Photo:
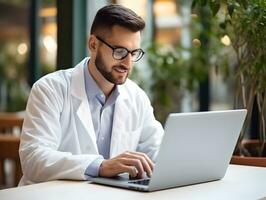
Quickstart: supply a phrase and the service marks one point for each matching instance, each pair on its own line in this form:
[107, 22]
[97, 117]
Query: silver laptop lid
[196, 147]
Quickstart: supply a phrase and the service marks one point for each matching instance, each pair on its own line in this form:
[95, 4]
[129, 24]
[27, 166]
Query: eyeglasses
[119, 53]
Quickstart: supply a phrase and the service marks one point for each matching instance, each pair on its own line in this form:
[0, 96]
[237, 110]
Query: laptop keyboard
[141, 182]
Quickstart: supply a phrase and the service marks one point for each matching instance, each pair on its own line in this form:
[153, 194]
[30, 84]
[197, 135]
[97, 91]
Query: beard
[112, 76]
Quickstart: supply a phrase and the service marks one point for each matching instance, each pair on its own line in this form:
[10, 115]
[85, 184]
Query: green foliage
[14, 89]
[173, 73]
[168, 72]
[215, 7]
[249, 30]
[245, 23]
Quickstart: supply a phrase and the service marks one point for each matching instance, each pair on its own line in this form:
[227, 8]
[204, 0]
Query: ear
[92, 43]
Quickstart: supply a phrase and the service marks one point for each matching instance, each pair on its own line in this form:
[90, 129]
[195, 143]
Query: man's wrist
[93, 169]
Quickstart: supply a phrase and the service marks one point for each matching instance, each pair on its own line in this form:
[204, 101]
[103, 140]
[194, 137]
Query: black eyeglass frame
[114, 48]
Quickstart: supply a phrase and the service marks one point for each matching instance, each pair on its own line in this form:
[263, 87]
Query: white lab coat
[58, 139]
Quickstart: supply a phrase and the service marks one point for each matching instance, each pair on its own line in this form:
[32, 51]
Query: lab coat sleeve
[41, 135]
[152, 131]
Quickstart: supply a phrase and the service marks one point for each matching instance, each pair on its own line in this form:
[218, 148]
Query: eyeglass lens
[121, 53]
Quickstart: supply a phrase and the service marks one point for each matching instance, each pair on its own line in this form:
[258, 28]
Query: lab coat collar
[123, 95]
[83, 109]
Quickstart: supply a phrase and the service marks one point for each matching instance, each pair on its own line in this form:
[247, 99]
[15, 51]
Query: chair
[10, 127]
[10, 121]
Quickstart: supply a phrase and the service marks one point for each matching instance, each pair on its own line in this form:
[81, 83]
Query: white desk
[240, 182]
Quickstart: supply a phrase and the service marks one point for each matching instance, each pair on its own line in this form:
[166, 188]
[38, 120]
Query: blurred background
[192, 61]
[30, 39]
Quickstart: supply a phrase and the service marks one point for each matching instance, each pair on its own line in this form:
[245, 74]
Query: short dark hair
[114, 14]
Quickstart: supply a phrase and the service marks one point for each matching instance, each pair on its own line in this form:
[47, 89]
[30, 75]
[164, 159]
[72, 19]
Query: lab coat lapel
[118, 140]
[83, 109]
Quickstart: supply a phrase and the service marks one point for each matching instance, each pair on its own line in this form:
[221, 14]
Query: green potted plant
[245, 24]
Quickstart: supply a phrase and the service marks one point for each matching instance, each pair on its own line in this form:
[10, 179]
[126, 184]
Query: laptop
[196, 148]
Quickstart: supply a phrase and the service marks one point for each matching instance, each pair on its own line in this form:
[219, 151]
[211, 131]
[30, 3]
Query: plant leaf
[215, 6]
[194, 3]
[203, 2]
[230, 8]
[222, 25]
[243, 3]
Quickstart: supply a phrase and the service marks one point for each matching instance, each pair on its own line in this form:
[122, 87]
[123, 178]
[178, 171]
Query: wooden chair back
[10, 127]
[9, 122]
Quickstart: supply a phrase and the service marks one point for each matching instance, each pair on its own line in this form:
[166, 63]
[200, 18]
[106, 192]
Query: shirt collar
[93, 90]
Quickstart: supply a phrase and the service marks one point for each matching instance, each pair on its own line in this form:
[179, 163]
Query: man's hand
[134, 163]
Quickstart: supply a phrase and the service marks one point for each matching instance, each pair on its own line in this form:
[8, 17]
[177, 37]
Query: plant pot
[252, 147]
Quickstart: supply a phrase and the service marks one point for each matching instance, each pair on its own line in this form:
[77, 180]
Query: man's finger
[146, 158]
[142, 159]
[136, 163]
[131, 170]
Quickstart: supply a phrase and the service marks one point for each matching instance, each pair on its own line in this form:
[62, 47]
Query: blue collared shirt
[102, 112]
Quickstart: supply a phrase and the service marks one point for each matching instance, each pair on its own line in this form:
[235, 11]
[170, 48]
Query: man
[91, 120]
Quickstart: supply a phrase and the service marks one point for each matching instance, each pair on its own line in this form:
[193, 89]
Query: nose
[127, 61]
